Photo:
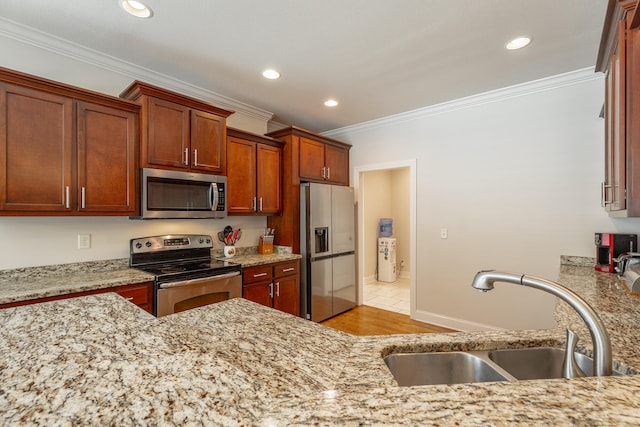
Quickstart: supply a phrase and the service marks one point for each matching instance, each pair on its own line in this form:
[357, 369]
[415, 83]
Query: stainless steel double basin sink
[458, 367]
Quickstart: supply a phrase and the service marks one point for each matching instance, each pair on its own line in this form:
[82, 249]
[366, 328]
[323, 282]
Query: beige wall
[385, 195]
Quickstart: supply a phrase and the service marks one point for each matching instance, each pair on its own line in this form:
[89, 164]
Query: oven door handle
[200, 280]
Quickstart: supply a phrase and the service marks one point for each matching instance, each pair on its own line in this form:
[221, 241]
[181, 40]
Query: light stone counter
[23, 284]
[100, 361]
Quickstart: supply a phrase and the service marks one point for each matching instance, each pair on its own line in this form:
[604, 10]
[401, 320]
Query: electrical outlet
[401, 263]
[444, 233]
[84, 241]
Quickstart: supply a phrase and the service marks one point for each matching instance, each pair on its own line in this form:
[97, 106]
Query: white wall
[516, 180]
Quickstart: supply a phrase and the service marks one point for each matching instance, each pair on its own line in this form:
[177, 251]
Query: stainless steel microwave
[174, 194]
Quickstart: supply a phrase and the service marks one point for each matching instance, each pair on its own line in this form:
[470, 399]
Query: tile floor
[388, 296]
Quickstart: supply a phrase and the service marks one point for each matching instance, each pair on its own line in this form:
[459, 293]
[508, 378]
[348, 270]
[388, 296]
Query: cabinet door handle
[259, 275]
[324, 172]
[286, 270]
[129, 299]
[186, 157]
[328, 173]
[271, 289]
[195, 157]
[260, 204]
[277, 289]
[66, 197]
[82, 197]
[254, 204]
[603, 191]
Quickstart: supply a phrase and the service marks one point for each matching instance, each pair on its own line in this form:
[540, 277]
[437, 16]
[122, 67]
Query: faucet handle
[570, 368]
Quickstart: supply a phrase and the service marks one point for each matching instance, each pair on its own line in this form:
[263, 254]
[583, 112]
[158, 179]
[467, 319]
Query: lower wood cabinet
[274, 285]
[140, 294]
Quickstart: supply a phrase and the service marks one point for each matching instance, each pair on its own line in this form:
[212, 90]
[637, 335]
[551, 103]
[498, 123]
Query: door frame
[357, 180]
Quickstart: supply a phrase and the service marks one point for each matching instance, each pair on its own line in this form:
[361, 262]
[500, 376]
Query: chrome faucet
[602, 365]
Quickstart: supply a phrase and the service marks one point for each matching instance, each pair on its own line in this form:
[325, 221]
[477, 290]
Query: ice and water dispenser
[322, 239]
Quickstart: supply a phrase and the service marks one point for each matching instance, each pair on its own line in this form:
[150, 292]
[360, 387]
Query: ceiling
[376, 57]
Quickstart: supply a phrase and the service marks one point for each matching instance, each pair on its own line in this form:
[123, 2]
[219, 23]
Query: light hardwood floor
[366, 320]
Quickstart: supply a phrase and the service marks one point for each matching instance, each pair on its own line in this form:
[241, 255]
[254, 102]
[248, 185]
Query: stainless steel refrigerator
[327, 245]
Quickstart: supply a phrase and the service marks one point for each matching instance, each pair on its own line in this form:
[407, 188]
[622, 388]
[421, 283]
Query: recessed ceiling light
[331, 103]
[518, 43]
[136, 8]
[271, 74]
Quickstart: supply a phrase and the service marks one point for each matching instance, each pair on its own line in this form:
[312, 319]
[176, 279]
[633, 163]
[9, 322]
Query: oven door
[175, 297]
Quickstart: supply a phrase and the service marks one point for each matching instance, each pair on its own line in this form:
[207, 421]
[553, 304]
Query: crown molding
[60, 46]
[535, 86]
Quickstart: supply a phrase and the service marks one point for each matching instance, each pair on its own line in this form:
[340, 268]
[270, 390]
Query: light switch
[444, 233]
[84, 241]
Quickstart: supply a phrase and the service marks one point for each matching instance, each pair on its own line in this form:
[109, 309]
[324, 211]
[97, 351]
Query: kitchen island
[99, 360]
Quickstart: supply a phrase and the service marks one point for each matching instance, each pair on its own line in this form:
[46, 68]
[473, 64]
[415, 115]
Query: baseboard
[370, 279]
[452, 322]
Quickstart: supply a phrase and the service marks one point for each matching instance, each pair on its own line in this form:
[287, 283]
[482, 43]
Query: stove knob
[201, 240]
[208, 240]
[138, 245]
[148, 244]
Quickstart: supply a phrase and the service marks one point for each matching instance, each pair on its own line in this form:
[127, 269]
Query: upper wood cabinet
[254, 165]
[619, 58]
[64, 150]
[178, 132]
[324, 162]
[305, 154]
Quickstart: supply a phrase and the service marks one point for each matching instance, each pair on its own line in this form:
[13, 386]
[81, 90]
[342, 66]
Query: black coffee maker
[610, 246]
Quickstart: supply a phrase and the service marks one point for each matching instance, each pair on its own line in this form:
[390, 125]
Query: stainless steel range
[185, 274]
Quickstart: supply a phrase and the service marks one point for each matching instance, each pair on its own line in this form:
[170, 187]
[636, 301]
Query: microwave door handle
[213, 196]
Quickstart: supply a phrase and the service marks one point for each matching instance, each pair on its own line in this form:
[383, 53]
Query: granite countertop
[24, 284]
[99, 360]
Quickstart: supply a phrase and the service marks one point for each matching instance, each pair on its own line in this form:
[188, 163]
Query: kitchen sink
[458, 367]
[441, 368]
[538, 362]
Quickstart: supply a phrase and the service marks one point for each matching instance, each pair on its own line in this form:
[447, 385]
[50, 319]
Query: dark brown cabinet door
[254, 174]
[36, 141]
[336, 161]
[241, 179]
[311, 159]
[269, 182]
[287, 295]
[208, 148]
[106, 141]
[258, 292]
[168, 135]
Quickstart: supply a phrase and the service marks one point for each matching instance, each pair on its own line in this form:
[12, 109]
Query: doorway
[387, 191]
